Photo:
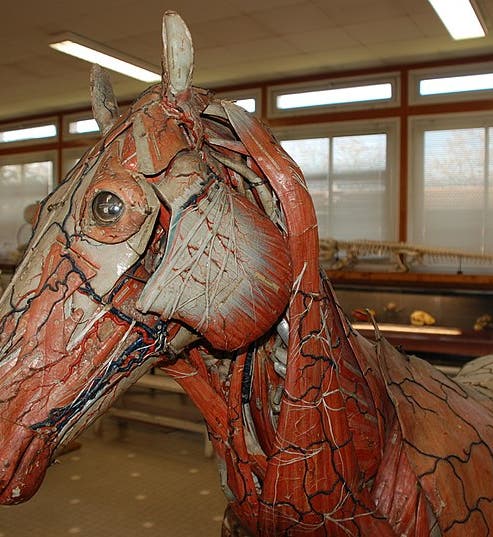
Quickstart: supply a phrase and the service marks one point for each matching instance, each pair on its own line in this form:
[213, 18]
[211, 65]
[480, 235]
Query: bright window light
[83, 126]
[459, 18]
[373, 92]
[456, 84]
[105, 60]
[247, 104]
[31, 133]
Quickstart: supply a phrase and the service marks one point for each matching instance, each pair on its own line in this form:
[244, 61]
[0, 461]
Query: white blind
[21, 185]
[350, 183]
[452, 194]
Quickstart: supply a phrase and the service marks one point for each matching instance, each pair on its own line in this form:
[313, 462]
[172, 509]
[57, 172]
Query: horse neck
[325, 404]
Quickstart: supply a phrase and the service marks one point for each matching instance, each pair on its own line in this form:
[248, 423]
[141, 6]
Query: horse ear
[177, 57]
[226, 270]
[104, 104]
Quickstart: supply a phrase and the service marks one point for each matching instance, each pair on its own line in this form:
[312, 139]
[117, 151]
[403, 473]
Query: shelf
[467, 344]
[412, 279]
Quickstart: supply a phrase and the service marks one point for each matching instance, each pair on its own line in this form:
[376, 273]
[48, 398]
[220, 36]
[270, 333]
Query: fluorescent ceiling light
[459, 17]
[456, 84]
[373, 92]
[92, 52]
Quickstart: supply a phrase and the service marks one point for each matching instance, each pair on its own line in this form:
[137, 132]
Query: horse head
[164, 233]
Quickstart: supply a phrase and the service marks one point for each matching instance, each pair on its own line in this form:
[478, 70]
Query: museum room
[316, 173]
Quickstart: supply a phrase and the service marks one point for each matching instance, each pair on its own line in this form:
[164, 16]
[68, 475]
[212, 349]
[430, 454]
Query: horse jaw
[48, 391]
[62, 367]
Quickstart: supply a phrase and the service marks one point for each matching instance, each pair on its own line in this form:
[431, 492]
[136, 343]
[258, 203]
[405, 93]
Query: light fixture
[459, 17]
[93, 52]
[389, 327]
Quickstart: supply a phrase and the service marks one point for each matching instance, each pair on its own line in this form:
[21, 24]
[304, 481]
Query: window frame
[71, 118]
[27, 124]
[274, 91]
[27, 158]
[389, 126]
[418, 125]
[235, 95]
[475, 68]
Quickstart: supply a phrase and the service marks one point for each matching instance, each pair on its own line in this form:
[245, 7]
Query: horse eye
[107, 207]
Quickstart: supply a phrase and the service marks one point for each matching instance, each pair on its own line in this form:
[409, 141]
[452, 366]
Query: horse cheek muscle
[226, 270]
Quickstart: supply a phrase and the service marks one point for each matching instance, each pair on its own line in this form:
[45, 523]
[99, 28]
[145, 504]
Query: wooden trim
[468, 344]
[58, 177]
[264, 102]
[451, 107]
[332, 117]
[403, 160]
[412, 279]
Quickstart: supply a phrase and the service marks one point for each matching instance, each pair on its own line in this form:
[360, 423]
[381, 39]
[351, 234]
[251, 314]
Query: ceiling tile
[272, 47]
[321, 40]
[259, 5]
[382, 31]
[231, 30]
[214, 56]
[351, 12]
[429, 26]
[293, 18]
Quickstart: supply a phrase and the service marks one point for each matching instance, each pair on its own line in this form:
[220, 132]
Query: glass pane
[360, 198]
[456, 84]
[349, 184]
[248, 104]
[32, 133]
[354, 94]
[70, 158]
[312, 156]
[453, 197]
[83, 126]
[21, 185]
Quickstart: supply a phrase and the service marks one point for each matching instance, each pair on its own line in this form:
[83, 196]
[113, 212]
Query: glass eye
[107, 207]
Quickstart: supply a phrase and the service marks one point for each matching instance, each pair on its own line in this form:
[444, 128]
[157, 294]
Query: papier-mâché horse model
[186, 239]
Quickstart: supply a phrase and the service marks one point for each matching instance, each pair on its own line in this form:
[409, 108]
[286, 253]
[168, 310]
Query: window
[80, 126]
[455, 84]
[70, 158]
[247, 99]
[354, 93]
[27, 133]
[446, 84]
[23, 182]
[83, 126]
[451, 187]
[351, 178]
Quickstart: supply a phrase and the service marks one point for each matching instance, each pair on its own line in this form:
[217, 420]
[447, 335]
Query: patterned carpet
[140, 481]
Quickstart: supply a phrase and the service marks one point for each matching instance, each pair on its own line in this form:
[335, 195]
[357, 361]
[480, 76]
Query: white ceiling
[236, 41]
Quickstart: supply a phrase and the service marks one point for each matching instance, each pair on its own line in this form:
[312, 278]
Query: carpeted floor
[139, 481]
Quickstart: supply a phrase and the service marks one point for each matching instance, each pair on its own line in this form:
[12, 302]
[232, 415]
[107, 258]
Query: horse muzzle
[25, 458]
